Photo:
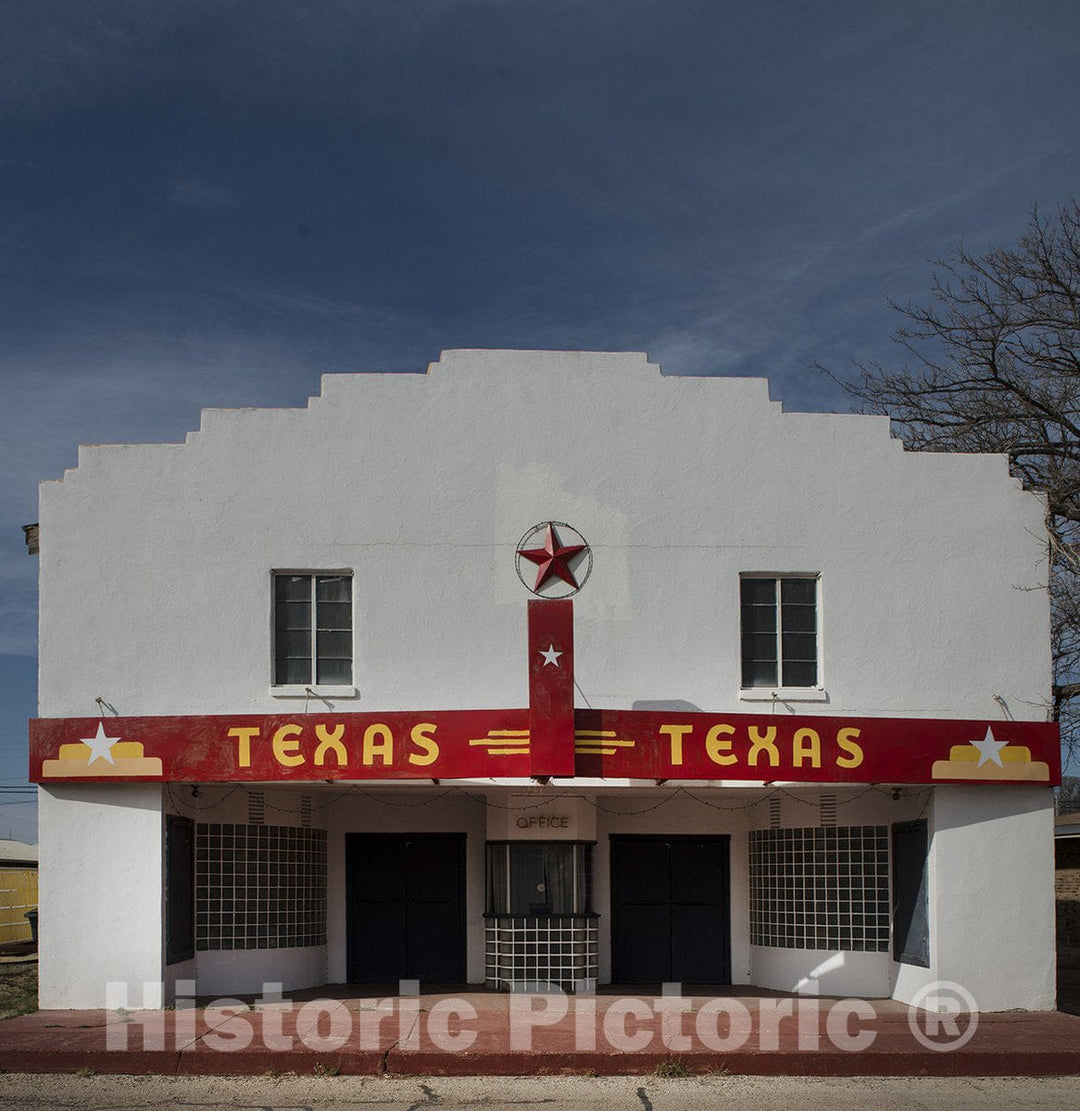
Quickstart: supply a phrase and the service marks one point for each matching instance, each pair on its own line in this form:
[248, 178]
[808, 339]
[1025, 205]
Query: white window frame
[307, 690]
[778, 692]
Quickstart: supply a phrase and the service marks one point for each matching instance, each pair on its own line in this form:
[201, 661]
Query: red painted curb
[265, 1062]
[123, 1063]
[745, 1064]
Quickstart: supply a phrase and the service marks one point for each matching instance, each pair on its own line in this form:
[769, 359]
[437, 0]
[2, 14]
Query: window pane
[290, 588]
[800, 673]
[583, 858]
[759, 619]
[498, 895]
[758, 673]
[759, 592]
[335, 671]
[528, 882]
[799, 619]
[798, 590]
[333, 588]
[759, 646]
[799, 646]
[559, 877]
[295, 643]
[288, 670]
[333, 645]
[334, 615]
[293, 615]
[542, 879]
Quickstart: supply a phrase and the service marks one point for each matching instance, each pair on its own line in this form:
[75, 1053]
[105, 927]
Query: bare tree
[994, 365]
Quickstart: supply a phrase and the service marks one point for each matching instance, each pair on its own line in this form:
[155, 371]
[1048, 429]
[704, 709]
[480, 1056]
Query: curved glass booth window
[541, 929]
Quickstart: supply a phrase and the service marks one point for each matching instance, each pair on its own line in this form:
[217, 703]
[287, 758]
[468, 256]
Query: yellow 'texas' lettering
[243, 744]
[421, 736]
[761, 746]
[376, 745]
[853, 754]
[718, 744]
[806, 745]
[286, 747]
[330, 742]
[676, 733]
[763, 742]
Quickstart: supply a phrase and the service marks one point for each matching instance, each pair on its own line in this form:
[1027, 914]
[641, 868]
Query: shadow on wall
[672, 705]
[1017, 802]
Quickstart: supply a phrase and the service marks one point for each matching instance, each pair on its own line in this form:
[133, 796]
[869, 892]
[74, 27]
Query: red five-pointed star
[553, 559]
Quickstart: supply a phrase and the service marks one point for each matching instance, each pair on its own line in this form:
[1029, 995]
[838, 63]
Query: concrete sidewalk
[374, 1030]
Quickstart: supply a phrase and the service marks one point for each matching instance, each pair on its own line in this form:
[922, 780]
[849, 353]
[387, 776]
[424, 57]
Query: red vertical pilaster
[551, 686]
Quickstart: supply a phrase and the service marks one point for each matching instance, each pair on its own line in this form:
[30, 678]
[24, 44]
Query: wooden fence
[18, 894]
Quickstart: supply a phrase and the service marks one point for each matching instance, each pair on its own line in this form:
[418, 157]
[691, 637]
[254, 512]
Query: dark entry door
[670, 912]
[405, 907]
[911, 919]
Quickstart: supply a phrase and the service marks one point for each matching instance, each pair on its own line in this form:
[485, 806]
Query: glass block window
[536, 954]
[539, 877]
[259, 887]
[778, 622]
[312, 629]
[820, 888]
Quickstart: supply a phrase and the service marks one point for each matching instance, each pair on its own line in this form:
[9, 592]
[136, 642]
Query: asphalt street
[329, 1093]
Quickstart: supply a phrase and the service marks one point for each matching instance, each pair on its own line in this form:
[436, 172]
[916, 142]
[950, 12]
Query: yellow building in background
[18, 890]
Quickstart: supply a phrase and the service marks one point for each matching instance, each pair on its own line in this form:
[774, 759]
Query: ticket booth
[540, 923]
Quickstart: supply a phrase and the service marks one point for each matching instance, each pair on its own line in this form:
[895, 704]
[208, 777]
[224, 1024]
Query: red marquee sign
[483, 744]
[549, 739]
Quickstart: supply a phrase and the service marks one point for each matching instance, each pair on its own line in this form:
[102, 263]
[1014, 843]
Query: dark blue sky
[210, 203]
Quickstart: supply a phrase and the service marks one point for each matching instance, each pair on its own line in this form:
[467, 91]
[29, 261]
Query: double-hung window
[313, 629]
[779, 628]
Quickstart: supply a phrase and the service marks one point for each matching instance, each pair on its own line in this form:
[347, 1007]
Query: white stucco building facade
[746, 563]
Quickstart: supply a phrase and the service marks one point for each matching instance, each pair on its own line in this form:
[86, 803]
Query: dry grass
[18, 989]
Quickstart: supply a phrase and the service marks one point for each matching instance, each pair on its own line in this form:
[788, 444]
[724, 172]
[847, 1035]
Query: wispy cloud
[906, 218]
[193, 193]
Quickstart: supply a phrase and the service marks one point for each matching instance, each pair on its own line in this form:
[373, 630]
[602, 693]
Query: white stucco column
[100, 893]
[991, 897]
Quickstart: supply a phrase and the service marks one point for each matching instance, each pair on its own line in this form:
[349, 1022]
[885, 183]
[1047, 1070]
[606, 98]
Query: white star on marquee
[989, 749]
[100, 745]
[550, 656]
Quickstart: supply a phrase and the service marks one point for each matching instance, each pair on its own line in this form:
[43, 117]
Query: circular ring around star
[553, 560]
